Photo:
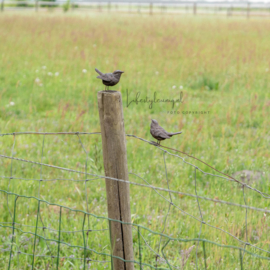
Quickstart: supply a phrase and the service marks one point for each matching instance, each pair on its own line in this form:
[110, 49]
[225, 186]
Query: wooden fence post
[36, 5]
[195, 8]
[115, 165]
[248, 9]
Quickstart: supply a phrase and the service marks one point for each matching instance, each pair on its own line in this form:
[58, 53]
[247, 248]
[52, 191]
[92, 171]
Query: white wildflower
[11, 103]
[84, 70]
[56, 74]
[49, 73]
[44, 67]
[181, 86]
[174, 87]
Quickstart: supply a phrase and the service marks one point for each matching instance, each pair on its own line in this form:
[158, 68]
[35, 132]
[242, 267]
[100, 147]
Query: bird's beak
[122, 71]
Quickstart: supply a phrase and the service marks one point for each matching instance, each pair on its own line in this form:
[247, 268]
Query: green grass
[221, 65]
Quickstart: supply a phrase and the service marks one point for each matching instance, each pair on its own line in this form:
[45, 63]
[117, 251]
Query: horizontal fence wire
[157, 7]
[153, 6]
[164, 239]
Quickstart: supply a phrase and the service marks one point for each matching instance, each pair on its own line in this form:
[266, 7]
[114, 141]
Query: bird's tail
[99, 72]
[171, 134]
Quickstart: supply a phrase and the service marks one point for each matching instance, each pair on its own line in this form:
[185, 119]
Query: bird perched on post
[160, 133]
[109, 79]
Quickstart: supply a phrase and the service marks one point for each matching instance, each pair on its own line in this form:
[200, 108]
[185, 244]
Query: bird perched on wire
[160, 133]
[109, 79]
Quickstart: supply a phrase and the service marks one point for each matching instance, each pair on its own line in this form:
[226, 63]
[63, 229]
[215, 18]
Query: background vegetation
[48, 84]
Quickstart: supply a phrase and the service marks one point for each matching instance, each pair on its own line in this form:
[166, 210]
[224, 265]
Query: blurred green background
[48, 84]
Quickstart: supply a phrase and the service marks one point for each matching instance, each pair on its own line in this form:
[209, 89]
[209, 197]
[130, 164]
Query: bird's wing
[161, 132]
[108, 77]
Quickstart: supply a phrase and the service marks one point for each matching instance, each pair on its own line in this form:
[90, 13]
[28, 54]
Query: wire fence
[229, 8]
[41, 234]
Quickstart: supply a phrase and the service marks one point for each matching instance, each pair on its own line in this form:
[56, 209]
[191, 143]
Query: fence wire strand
[165, 239]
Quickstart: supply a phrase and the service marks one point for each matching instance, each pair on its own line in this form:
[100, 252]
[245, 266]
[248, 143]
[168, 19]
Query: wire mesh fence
[184, 216]
[228, 8]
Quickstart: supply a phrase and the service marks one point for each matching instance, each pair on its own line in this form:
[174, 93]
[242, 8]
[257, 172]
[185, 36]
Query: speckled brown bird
[160, 133]
[109, 79]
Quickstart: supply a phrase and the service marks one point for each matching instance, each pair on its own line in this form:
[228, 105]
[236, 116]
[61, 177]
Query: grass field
[48, 84]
